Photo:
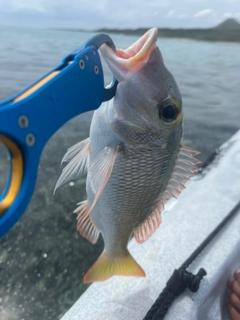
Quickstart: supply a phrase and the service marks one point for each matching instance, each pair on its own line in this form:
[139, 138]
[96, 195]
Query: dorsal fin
[100, 171]
[185, 168]
[84, 223]
[78, 158]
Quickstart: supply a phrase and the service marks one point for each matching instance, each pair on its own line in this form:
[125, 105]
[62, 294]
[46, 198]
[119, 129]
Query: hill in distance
[229, 24]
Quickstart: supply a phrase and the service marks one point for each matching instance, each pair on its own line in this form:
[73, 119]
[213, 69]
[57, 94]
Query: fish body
[135, 184]
[134, 159]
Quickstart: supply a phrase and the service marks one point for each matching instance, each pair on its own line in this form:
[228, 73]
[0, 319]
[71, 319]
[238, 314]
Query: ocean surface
[43, 259]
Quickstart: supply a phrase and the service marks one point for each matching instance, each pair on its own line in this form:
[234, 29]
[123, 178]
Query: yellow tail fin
[106, 267]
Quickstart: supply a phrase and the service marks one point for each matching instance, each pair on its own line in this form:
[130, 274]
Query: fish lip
[123, 63]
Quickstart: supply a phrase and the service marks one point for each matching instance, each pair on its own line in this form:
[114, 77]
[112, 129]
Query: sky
[93, 14]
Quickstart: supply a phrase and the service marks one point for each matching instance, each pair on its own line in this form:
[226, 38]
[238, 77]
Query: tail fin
[106, 267]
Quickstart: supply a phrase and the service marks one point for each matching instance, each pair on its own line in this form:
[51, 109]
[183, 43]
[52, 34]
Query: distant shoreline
[227, 31]
[213, 34]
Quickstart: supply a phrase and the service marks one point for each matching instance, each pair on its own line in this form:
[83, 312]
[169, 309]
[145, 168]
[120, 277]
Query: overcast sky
[91, 14]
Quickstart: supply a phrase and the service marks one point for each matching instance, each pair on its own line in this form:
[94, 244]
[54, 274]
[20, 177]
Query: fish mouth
[123, 63]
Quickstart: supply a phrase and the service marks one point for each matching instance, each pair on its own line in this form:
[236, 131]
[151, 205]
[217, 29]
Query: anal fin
[84, 223]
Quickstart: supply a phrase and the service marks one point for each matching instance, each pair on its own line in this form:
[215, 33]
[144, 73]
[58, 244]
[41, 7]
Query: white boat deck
[207, 199]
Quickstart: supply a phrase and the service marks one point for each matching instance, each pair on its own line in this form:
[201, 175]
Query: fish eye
[168, 112]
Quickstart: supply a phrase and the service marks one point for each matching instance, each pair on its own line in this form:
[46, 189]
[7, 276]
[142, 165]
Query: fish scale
[142, 172]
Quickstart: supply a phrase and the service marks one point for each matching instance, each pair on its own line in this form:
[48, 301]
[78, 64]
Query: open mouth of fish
[123, 63]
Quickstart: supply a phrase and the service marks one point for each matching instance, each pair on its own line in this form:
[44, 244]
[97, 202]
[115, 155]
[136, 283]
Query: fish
[133, 158]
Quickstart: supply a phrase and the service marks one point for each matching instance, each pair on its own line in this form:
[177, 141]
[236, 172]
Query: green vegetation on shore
[229, 30]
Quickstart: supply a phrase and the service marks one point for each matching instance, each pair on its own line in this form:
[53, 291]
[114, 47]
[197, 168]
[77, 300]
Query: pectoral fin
[106, 267]
[74, 150]
[78, 158]
[100, 171]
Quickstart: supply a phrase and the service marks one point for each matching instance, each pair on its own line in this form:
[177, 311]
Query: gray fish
[133, 158]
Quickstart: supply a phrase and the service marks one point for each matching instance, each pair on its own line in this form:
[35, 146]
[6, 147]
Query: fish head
[147, 99]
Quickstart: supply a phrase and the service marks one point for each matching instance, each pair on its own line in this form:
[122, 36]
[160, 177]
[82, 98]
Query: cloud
[171, 13]
[204, 13]
[174, 14]
[227, 15]
[96, 14]
[231, 15]
[19, 5]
